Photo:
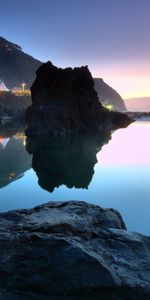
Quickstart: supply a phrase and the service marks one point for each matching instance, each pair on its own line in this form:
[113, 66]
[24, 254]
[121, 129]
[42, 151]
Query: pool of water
[110, 173]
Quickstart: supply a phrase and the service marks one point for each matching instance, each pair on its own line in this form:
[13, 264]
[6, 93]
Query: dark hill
[107, 95]
[15, 65]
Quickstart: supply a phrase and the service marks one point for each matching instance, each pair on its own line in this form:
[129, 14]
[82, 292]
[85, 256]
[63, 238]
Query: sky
[110, 36]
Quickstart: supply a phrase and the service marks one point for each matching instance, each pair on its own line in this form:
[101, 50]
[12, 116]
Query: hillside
[15, 65]
[138, 104]
[108, 96]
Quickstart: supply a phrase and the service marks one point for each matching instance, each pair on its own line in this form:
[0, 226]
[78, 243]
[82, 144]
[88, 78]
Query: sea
[111, 172]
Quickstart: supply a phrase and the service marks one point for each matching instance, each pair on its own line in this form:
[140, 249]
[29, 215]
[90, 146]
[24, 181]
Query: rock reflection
[14, 159]
[69, 161]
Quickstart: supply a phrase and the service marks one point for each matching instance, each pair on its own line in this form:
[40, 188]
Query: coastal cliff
[108, 96]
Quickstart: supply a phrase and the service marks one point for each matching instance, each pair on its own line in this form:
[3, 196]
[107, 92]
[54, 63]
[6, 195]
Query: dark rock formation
[119, 120]
[72, 248]
[107, 95]
[14, 161]
[15, 65]
[64, 102]
[68, 161]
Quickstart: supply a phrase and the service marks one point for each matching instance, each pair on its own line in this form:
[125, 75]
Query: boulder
[61, 249]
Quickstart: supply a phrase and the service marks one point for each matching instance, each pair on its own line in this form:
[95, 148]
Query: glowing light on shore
[108, 106]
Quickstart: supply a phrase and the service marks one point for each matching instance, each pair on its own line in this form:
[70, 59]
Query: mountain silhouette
[107, 95]
[15, 65]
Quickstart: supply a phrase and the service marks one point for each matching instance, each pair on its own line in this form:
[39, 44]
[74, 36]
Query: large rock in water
[64, 101]
[70, 248]
[108, 96]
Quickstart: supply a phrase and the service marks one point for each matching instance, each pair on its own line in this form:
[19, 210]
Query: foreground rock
[71, 248]
[64, 102]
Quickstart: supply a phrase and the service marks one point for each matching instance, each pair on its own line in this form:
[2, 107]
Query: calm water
[120, 178]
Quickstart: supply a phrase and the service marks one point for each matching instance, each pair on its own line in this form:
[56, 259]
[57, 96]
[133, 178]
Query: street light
[23, 86]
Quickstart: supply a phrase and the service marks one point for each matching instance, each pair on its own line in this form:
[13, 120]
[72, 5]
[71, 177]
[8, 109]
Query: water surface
[118, 178]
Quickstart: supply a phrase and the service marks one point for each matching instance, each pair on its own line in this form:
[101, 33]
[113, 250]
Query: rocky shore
[12, 111]
[69, 250]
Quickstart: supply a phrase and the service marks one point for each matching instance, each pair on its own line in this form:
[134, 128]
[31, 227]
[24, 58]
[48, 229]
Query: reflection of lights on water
[1, 140]
[24, 141]
[4, 141]
[11, 175]
[21, 136]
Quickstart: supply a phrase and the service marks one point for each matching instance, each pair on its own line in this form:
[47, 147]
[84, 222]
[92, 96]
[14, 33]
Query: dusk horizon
[111, 37]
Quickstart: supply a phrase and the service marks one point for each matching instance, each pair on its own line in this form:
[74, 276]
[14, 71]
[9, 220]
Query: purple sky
[111, 36]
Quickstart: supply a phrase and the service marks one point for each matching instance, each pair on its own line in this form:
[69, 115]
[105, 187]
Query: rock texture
[107, 95]
[71, 248]
[64, 101]
[15, 65]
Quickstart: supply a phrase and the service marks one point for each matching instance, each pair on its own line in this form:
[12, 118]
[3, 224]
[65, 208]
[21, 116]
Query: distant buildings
[3, 87]
[18, 91]
[21, 91]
